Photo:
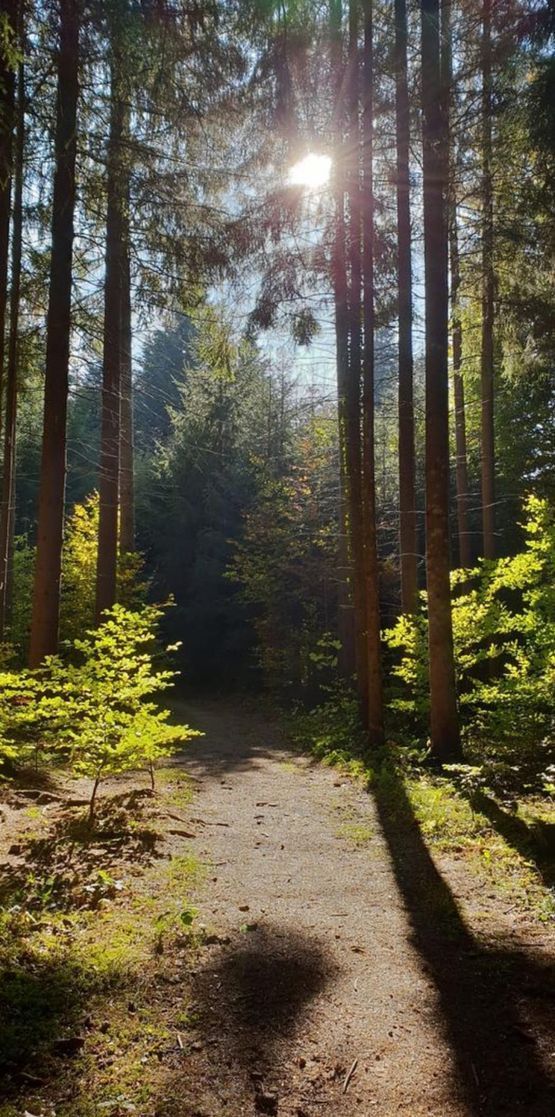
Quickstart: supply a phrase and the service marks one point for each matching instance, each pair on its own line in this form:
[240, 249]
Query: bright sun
[313, 171]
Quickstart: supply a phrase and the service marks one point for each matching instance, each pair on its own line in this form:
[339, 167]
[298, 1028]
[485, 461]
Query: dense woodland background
[277, 430]
[160, 281]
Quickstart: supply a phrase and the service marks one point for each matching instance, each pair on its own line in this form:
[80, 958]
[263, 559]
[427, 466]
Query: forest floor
[261, 936]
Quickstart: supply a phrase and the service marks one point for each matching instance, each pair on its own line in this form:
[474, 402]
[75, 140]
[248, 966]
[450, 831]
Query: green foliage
[98, 709]
[79, 572]
[285, 562]
[504, 633]
[78, 577]
[332, 731]
[194, 493]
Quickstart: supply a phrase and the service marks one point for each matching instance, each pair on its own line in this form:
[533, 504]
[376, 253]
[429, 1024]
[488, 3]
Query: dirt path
[335, 946]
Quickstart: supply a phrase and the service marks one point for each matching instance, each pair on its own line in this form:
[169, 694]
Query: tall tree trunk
[8, 12]
[106, 571]
[346, 617]
[354, 376]
[371, 568]
[487, 351]
[461, 467]
[407, 469]
[46, 595]
[127, 486]
[350, 641]
[445, 739]
[463, 494]
[10, 428]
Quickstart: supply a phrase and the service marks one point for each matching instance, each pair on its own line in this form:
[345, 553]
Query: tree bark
[407, 468]
[349, 617]
[463, 494]
[445, 739]
[106, 572]
[487, 352]
[8, 11]
[127, 480]
[371, 567]
[354, 374]
[47, 584]
[461, 465]
[10, 428]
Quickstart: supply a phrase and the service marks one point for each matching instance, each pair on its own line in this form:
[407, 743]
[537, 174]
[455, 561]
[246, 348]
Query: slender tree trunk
[349, 618]
[127, 486]
[461, 470]
[371, 568]
[8, 12]
[487, 362]
[8, 604]
[10, 428]
[46, 595]
[463, 494]
[407, 469]
[354, 376]
[445, 739]
[346, 618]
[106, 574]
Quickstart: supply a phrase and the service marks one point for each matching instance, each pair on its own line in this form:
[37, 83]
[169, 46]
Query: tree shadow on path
[496, 1002]
[534, 842]
[266, 981]
[249, 998]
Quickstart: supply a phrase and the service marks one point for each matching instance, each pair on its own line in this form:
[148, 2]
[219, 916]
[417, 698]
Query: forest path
[336, 947]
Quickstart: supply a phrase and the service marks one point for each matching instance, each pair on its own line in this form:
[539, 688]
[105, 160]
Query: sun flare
[313, 171]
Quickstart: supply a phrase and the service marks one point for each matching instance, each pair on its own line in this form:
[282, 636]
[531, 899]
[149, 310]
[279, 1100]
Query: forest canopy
[276, 310]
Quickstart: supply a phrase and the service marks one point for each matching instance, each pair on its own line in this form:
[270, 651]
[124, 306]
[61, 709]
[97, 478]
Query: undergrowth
[507, 844]
[84, 1011]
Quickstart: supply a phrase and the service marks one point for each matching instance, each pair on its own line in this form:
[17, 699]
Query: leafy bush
[332, 730]
[78, 577]
[504, 635]
[79, 572]
[98, 710]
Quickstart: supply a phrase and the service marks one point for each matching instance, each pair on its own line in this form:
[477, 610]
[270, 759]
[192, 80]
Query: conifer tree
[445, 740]
[46, 593]
[407, 467]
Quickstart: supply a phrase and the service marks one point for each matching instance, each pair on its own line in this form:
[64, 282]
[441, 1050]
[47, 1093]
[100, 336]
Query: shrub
[504, 635]
[97, 710]
[78, 577]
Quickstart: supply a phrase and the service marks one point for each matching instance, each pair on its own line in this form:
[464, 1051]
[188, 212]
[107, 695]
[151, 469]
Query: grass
[357, 833]
[91, 995]
[450, 824]
[511, 851]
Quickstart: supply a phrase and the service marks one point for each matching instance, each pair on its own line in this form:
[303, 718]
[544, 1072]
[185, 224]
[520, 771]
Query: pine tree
[461, 460]
[445, 740]
[407, 467]
[8, 16]
[126, 467]
[371, 569]
[46, 593]
[106, 573]
[488, 281]
[7, 512]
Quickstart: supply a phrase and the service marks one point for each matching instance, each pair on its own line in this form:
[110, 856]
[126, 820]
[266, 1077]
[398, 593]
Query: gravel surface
[340, 976]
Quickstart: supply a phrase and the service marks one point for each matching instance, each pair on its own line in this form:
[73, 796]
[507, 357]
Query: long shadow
[536, 842]
[496, 1003]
